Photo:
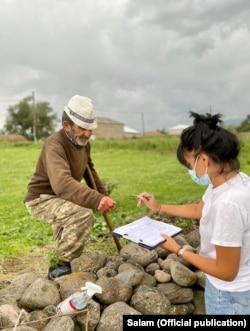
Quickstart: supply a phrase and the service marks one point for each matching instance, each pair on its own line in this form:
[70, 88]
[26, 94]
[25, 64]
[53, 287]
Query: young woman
[210, 153]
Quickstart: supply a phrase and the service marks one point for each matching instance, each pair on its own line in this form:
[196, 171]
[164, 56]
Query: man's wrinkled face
[77, 134]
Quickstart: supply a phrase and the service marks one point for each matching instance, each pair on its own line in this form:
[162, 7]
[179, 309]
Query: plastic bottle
[78, 300]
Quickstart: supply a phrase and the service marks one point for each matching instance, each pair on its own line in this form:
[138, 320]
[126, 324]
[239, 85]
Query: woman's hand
[149, 200]
[170, 244]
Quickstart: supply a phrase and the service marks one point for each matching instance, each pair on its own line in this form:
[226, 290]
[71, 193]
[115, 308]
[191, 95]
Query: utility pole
[142, 121]
[34, 116]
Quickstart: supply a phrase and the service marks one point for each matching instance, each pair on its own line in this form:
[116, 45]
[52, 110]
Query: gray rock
[21, 328]
[73, 282]
[198, 301]
[111, 318]
[90, 263]
[181, 240]
[106, 272]
[49, 310]
[201, 279]
[88, 320]
[139, 254]
[113, 290]
[174, 257]
[63, 323]
[148, 280]
[148, 300]
[18, 286]
[8, 315]
[182, 309]
[176, 293]
[8, 298]
[41, 293]
[152, 267]
[193, 238]
[130, 264]
[182, 275]
[130, 277]
[115, 262]
[38, 319]
[162, 276]
[162, 253]
[165, 264]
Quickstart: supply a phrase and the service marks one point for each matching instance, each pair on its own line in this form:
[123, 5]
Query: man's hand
[106, 204]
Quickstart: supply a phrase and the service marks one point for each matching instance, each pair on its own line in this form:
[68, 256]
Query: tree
[245, 125]
[29, 120]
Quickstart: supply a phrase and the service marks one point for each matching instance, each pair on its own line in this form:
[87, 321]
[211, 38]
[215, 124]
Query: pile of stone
[136, 282]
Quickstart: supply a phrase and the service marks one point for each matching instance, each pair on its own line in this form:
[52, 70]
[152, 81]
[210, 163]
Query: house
[111, 129]
[176, 130]
[130, 133]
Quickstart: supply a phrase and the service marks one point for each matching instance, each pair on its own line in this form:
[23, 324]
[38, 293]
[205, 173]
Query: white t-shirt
[225, 221]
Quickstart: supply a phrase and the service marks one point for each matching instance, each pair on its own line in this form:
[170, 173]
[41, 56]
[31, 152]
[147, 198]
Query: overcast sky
[145, 63]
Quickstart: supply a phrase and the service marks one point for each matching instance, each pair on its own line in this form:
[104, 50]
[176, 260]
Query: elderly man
[55, 193]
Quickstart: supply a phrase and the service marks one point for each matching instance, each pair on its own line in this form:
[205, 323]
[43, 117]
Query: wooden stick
[110, 226]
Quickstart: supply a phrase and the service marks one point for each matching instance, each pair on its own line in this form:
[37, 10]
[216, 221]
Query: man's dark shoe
[62, 269]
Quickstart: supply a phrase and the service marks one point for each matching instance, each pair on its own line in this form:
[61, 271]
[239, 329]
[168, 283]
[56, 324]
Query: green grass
[126, 166]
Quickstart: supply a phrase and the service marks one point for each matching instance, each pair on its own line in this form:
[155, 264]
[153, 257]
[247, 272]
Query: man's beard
[81, 143]
[76, 140]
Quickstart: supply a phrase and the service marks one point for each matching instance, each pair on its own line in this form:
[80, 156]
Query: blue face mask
[203, 180]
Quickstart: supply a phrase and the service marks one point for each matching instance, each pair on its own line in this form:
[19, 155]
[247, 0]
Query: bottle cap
[91, 289]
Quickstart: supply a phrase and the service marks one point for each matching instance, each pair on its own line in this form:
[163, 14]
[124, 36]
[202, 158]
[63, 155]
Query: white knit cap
[81, 112]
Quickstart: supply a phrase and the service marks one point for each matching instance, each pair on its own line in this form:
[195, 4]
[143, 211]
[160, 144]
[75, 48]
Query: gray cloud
[154, 60]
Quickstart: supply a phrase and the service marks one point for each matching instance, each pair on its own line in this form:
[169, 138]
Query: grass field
[126, 166]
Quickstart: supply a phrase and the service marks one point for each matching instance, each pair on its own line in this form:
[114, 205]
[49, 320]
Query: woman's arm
[225, 266]
[191, 211]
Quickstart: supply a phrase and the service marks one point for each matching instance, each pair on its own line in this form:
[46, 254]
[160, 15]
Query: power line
[34, 116]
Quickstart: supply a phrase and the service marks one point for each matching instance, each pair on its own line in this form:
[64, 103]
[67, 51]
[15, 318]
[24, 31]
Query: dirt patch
[37, 261]
[11, 267]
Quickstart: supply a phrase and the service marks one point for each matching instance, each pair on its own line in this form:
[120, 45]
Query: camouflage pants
[71, 223]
